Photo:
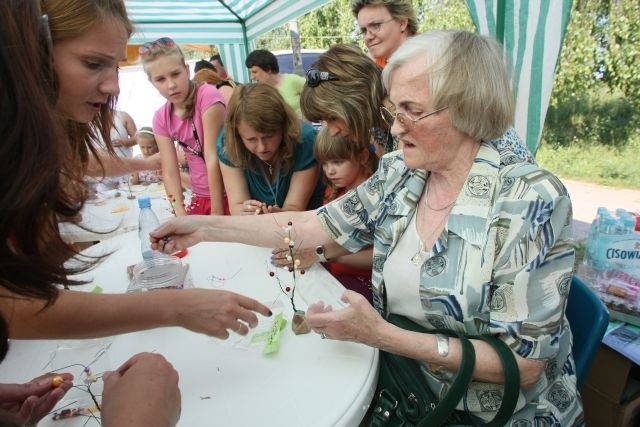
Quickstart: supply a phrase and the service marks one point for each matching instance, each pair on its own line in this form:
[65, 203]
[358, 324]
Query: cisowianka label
[623, 250]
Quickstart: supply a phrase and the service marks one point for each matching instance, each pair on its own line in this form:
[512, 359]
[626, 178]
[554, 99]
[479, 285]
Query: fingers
[318, 307]
[253, 207]
[245, 315]
[37, 387]
[253, 305]
[34, 408]
[279, 257]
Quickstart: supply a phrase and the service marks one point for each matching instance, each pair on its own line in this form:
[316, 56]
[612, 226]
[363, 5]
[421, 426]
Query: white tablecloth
[308, 382]
[113, 212]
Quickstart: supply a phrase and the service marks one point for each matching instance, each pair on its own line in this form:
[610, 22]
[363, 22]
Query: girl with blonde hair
[192, 117]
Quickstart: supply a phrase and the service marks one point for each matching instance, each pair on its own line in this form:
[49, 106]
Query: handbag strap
[464, 376]
[460, 384]
[511, 381]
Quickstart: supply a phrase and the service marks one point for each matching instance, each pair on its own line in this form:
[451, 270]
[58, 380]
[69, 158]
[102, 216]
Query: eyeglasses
[315, 77]
[408, 122]
[149, 46]
[373, 27]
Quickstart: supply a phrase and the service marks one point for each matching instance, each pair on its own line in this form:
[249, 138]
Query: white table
[308, 382]
[113, 213]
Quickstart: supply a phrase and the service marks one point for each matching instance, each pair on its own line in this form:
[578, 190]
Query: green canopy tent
[532, 32]
[232, 25]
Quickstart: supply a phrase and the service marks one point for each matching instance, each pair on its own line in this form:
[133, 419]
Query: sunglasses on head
[161, 42]
[315, 77]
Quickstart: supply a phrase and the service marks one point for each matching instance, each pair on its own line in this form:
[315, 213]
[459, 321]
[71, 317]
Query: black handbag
[404, 398]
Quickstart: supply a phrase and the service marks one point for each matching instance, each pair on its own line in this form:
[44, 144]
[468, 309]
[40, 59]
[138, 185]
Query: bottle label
[623, 250]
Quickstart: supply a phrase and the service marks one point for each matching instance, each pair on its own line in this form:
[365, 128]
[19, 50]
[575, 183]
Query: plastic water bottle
[628, 224]
[147, 222]
[597, 226]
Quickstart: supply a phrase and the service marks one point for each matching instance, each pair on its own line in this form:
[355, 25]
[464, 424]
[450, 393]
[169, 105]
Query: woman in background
[264, 68]
[266, 154]
[384, 25]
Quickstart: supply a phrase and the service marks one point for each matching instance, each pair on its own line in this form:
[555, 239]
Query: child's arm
[212, 122]
[171, 173]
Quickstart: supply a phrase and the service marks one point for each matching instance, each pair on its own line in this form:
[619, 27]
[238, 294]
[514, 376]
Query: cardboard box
[611, 394]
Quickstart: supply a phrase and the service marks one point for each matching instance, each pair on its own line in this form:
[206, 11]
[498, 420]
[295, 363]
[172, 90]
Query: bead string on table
[87, 379]
[220, 281]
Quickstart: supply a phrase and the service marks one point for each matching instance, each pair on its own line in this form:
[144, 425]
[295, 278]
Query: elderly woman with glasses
[467, 235]
[384, 25]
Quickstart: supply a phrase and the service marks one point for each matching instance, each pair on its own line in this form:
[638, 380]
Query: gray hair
[465, 72]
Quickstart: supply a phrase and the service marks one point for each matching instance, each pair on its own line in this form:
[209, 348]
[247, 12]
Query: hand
[117, 143]
[178, 233]
[307, 257]
[253, 207]
[32, 401]
[359, 322]
[216, 312]
[143, 391]
[273, 209]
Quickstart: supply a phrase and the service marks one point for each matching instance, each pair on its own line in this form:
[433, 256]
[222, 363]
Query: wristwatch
[320, 253]
[443, 345]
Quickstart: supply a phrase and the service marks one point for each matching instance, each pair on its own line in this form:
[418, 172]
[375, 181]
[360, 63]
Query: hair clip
[315, 77]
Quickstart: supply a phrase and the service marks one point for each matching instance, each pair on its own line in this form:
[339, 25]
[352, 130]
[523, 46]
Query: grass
[595, 163]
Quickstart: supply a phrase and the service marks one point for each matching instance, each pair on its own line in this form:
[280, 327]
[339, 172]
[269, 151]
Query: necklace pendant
[416, 258]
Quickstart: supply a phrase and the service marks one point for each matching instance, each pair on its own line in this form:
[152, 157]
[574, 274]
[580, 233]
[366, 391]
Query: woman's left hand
[358, 322]
[32, 401]
[307, 257]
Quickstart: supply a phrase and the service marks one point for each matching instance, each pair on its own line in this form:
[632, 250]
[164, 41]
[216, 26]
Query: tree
[622, 54]
[443, 14]
[328, 25]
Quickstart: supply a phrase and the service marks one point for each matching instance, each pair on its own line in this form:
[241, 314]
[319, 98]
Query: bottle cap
[144, 202]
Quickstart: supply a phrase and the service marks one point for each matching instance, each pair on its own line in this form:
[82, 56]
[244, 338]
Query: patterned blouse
[502, 266]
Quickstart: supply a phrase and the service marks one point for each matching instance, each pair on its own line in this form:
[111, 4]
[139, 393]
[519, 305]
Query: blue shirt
[259, 187]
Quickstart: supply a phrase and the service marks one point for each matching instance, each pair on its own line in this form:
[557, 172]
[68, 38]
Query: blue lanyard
[266, 179]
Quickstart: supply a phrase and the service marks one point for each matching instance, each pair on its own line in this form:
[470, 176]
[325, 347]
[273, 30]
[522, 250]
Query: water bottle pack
[612, 259]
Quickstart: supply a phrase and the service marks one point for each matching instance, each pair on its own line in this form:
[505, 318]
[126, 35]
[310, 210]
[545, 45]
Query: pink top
[166, 123]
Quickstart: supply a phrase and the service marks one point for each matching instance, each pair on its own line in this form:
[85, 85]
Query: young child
[345, 165]
[147, 142]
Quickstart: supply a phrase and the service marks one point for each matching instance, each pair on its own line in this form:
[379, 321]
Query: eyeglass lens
[373, 27]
